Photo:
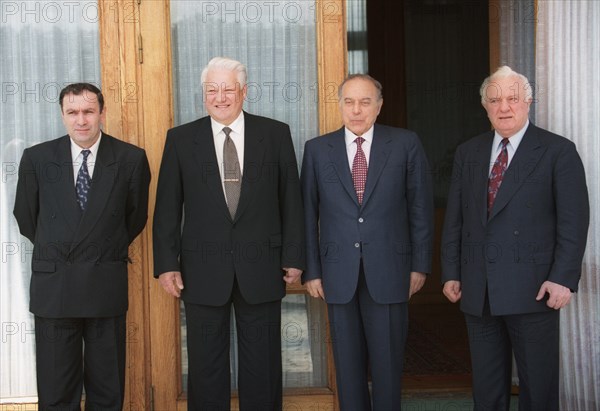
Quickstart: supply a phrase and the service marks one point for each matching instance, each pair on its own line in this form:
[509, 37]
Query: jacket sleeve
[290, 206]
[137, 198]
[27, 197]
[572, 217]
[168, 211]
[419, 196]
[451, 234]
[310, 196]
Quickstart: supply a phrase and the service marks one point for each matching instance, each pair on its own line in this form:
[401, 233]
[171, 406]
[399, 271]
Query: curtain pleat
[568, 103]
[45, 45]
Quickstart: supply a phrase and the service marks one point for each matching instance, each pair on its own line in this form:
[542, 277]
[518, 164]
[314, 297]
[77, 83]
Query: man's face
[506, 106]
[82, 118]
[360, 105]
[223, 95]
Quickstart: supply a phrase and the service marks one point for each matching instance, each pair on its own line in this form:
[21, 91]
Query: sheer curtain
[568, 103]
[45, 45]
[517, 37]
[277, 43]
[356, 19]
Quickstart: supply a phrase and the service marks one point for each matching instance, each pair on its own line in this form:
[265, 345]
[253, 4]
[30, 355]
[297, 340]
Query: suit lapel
[254, 151]
[206, 158]
[106, 170]
[527, 156]
[339, 158]
[66, 198]
[377, 160]
[479, 175]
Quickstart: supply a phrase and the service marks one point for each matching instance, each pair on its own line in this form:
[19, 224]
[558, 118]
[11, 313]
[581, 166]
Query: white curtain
[277, 43]
[45, 45]
[568, 103]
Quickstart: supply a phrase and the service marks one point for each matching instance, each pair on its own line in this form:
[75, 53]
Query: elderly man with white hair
[513, 242]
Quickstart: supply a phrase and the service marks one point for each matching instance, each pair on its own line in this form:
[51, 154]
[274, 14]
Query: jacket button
[516, 232]
[356, 245]
[360, 220]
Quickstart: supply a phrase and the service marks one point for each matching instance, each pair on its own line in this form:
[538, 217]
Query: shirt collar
[513, 140]
[237, 126]
[76, 150]
[349, 136]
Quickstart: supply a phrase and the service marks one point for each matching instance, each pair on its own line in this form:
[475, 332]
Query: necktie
[84, 182]
[497, 174]
[231, 173]
[359, 170]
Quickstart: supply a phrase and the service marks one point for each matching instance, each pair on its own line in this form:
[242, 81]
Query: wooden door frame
[136, 71]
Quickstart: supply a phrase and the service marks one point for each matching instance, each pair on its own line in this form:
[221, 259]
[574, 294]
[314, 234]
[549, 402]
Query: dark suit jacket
[393, 227]
[80, 259]
[536, 231]
[267, 233]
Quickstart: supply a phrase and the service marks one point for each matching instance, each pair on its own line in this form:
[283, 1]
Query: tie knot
[227, 131]
[359, 141]
[504, 142]
[85, 154]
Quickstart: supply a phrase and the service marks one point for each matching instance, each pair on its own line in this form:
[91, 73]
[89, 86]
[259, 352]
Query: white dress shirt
[351, 146]
[511, 147]
[77, 157]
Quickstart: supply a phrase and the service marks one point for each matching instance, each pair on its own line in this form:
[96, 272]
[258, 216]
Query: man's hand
[315, 288]
[291, 275]
[559, 296]
[452, 290]
[171, 282]
[417, 280]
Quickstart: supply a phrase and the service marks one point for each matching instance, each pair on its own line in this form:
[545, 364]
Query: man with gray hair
[369, 231]
[235, 178]
[513, 242]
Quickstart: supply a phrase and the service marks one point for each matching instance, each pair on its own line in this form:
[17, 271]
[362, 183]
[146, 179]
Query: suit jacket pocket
[42, 266]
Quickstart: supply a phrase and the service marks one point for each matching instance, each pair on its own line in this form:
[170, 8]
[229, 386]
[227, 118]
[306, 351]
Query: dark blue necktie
[84, 182]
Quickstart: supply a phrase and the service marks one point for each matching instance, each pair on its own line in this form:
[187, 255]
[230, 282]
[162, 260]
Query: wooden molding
[332, 60]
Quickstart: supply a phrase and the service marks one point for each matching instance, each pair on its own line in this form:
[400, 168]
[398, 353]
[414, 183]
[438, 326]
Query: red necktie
[359, 170]
[497, 174]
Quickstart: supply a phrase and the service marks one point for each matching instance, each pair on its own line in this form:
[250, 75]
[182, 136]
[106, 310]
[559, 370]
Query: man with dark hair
[81, 199]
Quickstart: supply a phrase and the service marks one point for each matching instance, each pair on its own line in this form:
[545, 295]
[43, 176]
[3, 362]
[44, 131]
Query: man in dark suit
[232, 180]
[513, 242]
[369, 230]
[81, 199]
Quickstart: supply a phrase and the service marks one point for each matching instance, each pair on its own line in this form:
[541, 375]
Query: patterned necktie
[497, 174]
[359, 170]
[231, 173]
[84, 182]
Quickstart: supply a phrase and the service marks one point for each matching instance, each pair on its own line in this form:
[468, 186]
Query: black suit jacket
[536, 231]
[80, 259]
[194, 232]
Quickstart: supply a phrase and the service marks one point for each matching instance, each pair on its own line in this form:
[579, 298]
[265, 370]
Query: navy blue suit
[536, 232]
[364, 254]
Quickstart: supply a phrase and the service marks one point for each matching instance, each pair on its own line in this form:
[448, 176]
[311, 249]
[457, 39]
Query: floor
[437, 351]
